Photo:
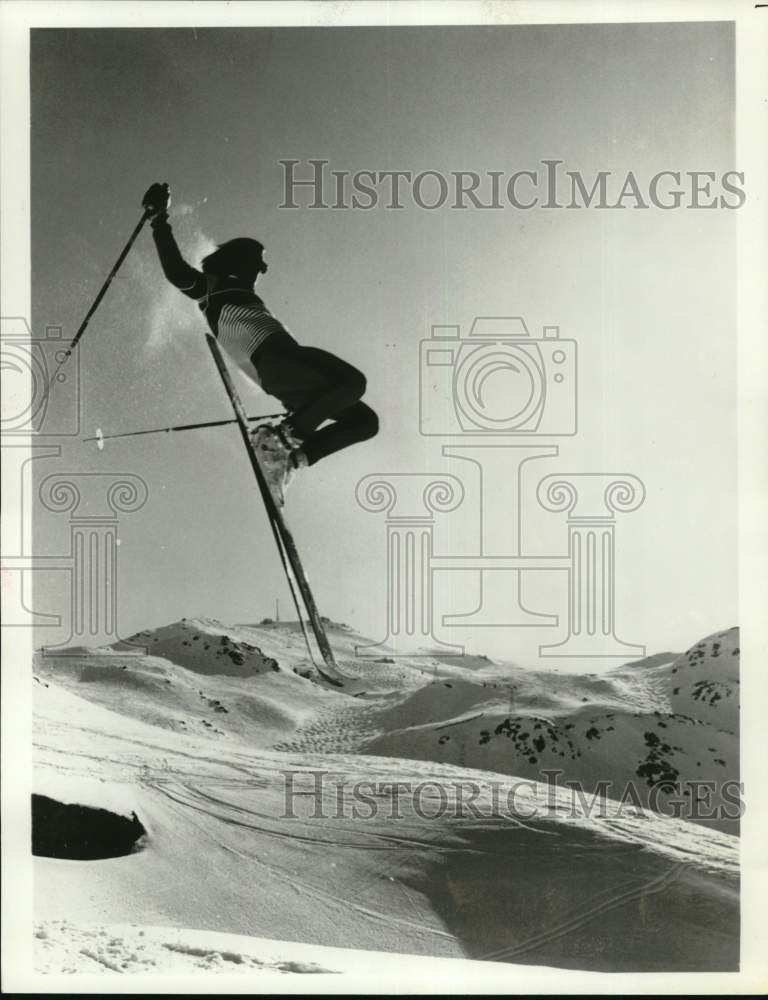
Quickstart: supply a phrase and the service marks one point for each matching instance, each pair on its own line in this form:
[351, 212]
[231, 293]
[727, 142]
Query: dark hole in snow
[81, 833]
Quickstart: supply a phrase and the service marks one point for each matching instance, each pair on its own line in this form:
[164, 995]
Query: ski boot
[279, 454]
[296, 457]
[267, 443]
[288, 436]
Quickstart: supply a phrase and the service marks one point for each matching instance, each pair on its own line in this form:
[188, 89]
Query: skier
[313, 385]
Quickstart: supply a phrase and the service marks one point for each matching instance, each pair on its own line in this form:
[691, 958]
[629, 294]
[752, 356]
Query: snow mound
[653, 731]
[206, 648]
[704, 681]
[258, 708]
[64, 947]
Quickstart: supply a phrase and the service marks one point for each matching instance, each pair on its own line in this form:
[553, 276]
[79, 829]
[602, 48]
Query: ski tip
[329, 678]
[99, 439]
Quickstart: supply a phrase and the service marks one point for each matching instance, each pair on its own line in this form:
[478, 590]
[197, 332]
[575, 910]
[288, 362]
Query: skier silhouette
[313, 385]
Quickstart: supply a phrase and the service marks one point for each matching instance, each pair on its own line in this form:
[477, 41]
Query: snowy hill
[660, 726]
[262, 802]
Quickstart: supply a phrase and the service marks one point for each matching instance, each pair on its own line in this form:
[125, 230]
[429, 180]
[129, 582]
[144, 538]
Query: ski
[283, 537]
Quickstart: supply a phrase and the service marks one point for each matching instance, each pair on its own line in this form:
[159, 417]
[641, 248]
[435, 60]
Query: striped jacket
[237, 316]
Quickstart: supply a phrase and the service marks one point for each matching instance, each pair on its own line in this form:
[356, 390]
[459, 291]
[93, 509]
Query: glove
[156, 200]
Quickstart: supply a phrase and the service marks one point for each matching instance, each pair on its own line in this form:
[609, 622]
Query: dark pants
[315, 386]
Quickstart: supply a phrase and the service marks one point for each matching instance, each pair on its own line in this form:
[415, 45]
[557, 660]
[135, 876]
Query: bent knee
[371, 424]
[357, 383]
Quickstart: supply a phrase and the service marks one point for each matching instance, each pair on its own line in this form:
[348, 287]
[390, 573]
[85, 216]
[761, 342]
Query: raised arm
[188, 280]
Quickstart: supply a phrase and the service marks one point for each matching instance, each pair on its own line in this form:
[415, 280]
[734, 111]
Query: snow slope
[65, 947]
[659, 726]
[264, 819]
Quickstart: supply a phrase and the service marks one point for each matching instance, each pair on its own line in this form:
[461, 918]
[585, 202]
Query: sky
[648, 296]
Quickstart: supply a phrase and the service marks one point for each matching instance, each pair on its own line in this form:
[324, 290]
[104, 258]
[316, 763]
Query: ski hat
[241, 256]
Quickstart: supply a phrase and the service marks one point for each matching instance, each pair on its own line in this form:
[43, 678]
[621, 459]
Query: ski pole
[98, 437]
[67, 354]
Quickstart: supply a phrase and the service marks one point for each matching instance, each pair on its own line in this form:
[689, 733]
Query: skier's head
[242, 257]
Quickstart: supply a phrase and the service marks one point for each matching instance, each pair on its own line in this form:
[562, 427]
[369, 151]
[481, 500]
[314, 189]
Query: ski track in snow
[223, 851]
[338, 730]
